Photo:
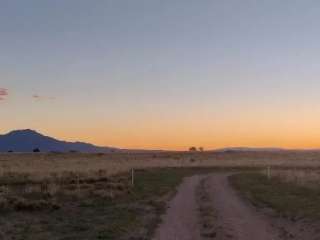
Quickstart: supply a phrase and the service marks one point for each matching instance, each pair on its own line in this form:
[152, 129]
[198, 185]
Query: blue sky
[162, 74]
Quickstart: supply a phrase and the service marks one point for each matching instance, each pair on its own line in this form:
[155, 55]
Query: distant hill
[27, 140]
[249, 149]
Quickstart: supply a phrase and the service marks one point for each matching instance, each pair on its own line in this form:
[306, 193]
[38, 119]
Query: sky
[165, 74]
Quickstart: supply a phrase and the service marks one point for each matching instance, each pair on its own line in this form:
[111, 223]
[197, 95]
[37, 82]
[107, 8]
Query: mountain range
[28, 140]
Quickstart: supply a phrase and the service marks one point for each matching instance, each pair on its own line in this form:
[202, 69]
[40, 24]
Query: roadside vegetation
[90, 196]
[42, 166]
[79, 214]
[288, 199]
[206, 212]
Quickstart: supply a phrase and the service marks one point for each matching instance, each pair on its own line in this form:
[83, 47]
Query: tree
[192, 149]
[201, 149]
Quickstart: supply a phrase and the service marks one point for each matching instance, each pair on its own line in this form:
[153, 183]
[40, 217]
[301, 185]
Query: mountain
[27, 140]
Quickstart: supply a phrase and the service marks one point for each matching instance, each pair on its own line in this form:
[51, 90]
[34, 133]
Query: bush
[36, 150]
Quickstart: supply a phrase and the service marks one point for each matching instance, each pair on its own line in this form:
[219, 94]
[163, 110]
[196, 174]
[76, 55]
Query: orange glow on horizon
[231, 126]
[182, 139]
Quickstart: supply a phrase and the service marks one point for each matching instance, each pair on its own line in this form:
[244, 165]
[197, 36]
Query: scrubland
[93, 196]
[43, 165]
[57, 173]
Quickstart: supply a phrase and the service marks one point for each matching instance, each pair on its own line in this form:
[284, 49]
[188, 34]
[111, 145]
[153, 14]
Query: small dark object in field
[36, 150]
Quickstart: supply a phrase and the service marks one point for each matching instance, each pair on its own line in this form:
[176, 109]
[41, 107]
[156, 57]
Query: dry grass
[30, 179]
[302, 177]
[286, 198]
[206, 212]
[133, 215]
[52, 175]
[47, 185]
[41, 166]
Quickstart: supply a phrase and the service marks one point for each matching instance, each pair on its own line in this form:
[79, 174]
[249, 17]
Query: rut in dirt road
[235, 219]
[181, 219]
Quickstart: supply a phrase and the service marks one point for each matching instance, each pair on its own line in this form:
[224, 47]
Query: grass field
[287, 198]
[90, 196]
[136, 213]
[43, 165]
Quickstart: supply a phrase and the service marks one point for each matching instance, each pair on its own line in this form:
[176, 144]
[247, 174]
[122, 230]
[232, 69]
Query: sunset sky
[165, 74]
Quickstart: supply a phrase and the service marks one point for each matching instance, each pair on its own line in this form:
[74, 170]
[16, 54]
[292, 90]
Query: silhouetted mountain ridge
[26, 140]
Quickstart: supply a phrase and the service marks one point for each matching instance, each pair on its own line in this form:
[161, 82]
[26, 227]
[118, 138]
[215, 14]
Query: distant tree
[36, 150]
[192, 149]
[73, 151]
[10, 151]
[201, 149]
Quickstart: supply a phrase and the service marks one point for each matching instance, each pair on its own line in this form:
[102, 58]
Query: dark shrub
[36, 150]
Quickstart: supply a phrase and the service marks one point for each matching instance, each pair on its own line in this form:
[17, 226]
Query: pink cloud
[3, 93]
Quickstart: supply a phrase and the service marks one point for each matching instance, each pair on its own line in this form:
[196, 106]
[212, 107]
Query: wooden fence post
[269, 172]
[78, 184]
[132, 176]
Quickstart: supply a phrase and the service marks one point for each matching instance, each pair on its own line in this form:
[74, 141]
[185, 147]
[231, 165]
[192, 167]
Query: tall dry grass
[49, 175]
[41, 166]
[302, 177]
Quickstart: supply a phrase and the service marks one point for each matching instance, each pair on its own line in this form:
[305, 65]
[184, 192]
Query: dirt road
[181, 220]
[234, 218]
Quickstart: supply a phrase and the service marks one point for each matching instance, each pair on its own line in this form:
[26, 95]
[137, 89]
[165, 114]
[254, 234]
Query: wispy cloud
[3, 93]
[42, 98]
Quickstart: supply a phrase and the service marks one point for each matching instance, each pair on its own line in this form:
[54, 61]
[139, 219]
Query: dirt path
[234, 218]
[181, 219]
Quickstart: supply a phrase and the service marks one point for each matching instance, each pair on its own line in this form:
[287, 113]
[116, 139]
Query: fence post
[78, 184]
[269, 172]
[132, 176]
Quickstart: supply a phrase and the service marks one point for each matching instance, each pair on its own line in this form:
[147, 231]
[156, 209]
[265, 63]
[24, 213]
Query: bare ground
[181, 221]
[234, 217]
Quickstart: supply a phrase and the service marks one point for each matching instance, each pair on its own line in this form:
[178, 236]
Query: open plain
[160, 195]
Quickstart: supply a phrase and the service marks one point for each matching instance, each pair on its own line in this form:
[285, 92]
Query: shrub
[36, 150]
